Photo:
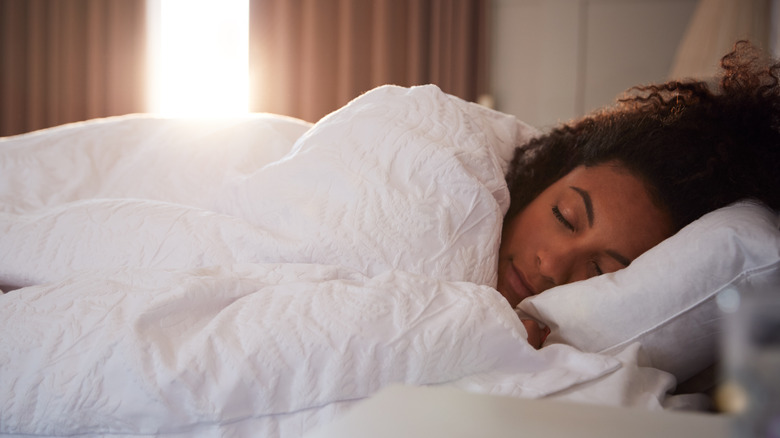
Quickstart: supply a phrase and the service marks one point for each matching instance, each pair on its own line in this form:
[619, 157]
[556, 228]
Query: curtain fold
[310, 57]
[70, 60]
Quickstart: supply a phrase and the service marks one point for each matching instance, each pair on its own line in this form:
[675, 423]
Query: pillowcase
[666, 299]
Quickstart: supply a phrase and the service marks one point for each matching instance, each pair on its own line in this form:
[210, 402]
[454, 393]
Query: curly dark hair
[695, 149]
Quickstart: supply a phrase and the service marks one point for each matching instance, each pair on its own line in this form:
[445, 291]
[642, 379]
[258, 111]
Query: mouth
[518, 284]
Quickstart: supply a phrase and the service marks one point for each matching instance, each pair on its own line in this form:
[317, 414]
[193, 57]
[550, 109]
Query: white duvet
[258, 276]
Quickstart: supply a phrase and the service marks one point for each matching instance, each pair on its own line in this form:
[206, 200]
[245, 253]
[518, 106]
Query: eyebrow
[587, 201]
[619, 257]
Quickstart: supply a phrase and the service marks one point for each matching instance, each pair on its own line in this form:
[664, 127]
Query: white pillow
[666, 299]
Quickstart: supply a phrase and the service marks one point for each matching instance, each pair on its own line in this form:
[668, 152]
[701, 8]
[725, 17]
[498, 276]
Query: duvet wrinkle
[264, 301]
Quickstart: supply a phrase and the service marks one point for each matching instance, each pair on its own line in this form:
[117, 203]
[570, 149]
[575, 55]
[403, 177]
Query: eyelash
[597, 268]
[561, 219]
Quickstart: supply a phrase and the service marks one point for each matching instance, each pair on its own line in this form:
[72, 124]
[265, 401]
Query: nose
[556, 265]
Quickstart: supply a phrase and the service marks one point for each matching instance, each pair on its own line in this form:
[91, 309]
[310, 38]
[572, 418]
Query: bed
[258, 276]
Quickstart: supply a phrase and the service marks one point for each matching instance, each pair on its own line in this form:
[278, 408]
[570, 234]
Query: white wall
[554, 60]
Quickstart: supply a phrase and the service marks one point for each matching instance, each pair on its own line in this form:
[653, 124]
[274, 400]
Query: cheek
[522, 234]
[512, 235]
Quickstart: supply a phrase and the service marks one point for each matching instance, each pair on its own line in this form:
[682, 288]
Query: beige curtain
[715, 27]
[310, 57]
[70, 60]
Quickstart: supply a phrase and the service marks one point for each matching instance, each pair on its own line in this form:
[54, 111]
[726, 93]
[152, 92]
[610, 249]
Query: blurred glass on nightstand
[751, 361]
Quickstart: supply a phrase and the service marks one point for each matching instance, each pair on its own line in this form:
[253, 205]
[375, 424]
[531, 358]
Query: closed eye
[561, 219]
[596, 269]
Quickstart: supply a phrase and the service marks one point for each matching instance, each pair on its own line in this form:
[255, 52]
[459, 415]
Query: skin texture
[536, 333]
[594, 220]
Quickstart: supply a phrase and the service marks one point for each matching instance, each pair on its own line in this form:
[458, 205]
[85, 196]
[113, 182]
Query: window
[200, 51]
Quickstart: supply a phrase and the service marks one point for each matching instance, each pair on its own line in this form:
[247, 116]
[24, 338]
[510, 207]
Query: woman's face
[592, 221]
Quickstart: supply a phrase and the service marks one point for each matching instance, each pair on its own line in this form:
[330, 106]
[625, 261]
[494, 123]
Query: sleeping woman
[266, 302]
[590, 196]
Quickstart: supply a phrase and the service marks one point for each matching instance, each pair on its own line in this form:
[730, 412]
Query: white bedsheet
[173, 278]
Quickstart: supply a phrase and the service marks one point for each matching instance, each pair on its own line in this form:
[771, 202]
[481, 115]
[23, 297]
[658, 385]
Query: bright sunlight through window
[200, 52]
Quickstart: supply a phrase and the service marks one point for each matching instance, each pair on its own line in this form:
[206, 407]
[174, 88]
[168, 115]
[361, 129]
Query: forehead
[608, 181]
[621, 204]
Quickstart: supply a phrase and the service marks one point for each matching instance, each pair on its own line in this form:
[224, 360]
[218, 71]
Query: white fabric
[260, 303]
[260, 348]
[186, 161]
[666, 298]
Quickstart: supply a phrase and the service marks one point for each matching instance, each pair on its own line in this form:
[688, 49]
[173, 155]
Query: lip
[518, 284]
